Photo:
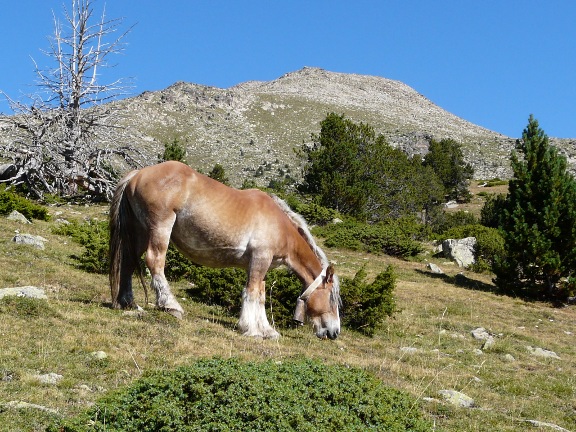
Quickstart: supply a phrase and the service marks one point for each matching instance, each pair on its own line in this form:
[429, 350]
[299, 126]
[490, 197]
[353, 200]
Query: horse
[217, 226]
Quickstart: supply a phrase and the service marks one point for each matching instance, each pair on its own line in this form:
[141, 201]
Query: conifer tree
[447, 160]
[352, 169]
[538, 221]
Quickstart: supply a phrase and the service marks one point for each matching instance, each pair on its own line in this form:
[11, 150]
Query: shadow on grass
[462, 281]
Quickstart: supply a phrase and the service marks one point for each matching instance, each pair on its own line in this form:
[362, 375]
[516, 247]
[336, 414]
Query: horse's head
[321, 305]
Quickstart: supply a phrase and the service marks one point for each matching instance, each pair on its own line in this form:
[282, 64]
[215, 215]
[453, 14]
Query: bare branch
[64, 140]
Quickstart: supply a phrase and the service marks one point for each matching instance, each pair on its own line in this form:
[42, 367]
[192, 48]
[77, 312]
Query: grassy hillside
[437, 314]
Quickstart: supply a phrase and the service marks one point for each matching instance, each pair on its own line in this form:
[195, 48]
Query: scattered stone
[540, 352]
[25, 405]
[98, 355]
[478, 351]
[434, 268]
[509, 358]
[456, 398]
[540, 424]
[18, 217]
[451, 204]
[337, 221]
[29, 239]
[25, 291]
[460, 250]
[49, 378]
[409, 350]
[480, 333]
[488, 343]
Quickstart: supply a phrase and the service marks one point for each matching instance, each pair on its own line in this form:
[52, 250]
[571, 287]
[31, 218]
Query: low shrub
[366, 306]
[232, 395]
[396, 237]
[10, 201]
[94, 236]
[445, 221]
[313, 213]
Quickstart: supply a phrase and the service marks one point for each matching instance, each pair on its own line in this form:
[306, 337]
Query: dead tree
[65, 141]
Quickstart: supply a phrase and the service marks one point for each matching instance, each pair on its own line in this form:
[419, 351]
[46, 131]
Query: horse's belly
[211, 251]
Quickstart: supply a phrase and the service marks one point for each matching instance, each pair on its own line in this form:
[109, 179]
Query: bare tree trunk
[63, 140]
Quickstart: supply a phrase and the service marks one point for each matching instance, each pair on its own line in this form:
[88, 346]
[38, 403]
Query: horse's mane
[300, 223]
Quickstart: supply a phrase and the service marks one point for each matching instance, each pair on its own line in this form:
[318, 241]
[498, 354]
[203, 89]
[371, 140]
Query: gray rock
[409, 350]
[509, 358]
[540, 352]
[480, 333]
[29, 239]
[460, 250]
[17, 216]
[7, 171]
[49, 378]
[24, 291]
[552, 426]
[488, 343]
[434, 268]
[456, 398]
[25, 405]
[98, 355]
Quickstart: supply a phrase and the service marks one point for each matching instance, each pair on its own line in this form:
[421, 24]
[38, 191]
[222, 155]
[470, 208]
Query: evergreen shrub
[398, 237]
[233, 395]
[10, 201]
[365, 306]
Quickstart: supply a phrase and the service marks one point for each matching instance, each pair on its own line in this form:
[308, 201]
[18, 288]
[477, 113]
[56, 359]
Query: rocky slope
[252, 129]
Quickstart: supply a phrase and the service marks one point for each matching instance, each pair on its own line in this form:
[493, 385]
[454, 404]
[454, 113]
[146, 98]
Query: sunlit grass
[436, 316]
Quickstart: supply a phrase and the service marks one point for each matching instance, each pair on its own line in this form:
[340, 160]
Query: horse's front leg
[156, 260]
[253, 320]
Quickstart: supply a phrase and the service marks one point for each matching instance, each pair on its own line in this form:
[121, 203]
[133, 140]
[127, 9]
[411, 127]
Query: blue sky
[491, 62]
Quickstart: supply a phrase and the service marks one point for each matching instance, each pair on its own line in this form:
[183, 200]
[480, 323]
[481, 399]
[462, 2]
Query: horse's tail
[302, 227]
[121, 250]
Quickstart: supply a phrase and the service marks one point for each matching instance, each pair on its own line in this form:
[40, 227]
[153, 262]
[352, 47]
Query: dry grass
[436, 316]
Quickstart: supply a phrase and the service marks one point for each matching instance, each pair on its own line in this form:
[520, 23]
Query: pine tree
[447, 160]
[538, 221]
[355, 171]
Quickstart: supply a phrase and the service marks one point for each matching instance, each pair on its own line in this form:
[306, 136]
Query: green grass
[434, 314]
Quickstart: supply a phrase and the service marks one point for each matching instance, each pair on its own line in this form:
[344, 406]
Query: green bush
[444, 221]
[232, 395]
[313, 213]
[10, 201]
[489, 244]
[94, 236]
[396, 237]
[366, 305]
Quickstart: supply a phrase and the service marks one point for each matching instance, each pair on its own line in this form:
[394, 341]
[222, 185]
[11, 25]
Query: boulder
[29, 239]
[460, 250]
[7, 171]
[456, 398]
[18, 217]
[434, 268]
[24, 291]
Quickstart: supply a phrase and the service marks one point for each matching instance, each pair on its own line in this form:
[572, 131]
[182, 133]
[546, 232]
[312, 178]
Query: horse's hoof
[175, 313]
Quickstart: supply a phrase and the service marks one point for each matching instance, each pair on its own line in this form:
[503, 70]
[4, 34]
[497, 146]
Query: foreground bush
[231, 395]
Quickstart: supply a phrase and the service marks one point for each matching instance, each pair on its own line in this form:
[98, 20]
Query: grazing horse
[216, 226]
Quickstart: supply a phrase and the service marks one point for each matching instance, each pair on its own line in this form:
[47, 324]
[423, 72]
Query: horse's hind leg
[155, 260]
[253, 320]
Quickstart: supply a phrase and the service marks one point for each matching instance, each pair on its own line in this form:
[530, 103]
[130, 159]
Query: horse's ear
[329, 274]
